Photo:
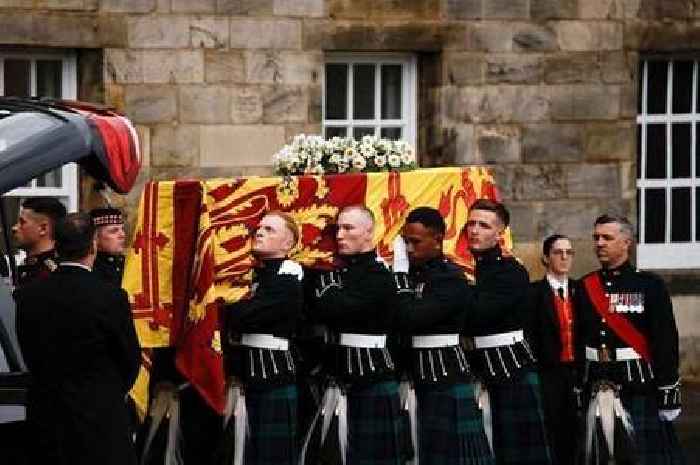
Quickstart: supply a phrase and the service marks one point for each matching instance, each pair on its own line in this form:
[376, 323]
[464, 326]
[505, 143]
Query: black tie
[560, 291]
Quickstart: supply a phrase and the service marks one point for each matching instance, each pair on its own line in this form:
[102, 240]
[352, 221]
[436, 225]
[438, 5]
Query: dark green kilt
[450, 426]
[654, 441]
[272, 422]
[519, 436]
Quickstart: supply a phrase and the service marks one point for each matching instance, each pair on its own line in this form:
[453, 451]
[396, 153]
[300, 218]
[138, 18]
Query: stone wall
[543, 90]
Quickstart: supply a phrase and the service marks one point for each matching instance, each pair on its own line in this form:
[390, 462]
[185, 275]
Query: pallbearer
[629, 340]
[435, 301]
[262, 405]
[501, 357]
[358, 422]
[111, 242]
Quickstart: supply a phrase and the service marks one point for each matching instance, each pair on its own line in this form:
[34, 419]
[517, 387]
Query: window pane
[336, 91]
[682, 86]
[17, 78]
[655, 216]
[697, 150]
[391, 133]
[697, 213]
[680, 144]
[680, 214]
[357, 133]
[656, 151]
[333, 131]
[391, 91]
[48, 78]
[657, 80]
[639, 151]
[363, 92]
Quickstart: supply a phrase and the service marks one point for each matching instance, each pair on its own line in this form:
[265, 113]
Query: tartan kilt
[654, 441]
[518, 421]
[272, 422]
[450, 426]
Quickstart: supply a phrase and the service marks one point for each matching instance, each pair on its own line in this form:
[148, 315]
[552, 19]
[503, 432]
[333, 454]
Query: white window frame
[409, 93]
[69, 91]
[668, 255]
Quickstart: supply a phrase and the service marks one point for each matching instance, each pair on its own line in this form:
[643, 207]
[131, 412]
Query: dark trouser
[15, 443]
[560, 412]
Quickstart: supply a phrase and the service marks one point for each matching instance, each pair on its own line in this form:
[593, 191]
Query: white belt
[622, 354]
[367, 341]
[264, 341]
[498, 340]
[430, 341]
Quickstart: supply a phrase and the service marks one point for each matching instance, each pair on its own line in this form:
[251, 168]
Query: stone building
[580, 106]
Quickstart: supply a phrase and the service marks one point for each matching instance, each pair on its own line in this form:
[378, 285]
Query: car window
[16, 127]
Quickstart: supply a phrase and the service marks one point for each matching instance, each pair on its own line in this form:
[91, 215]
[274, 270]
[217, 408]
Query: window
[668, 164]
[370, 94]
[42, 74]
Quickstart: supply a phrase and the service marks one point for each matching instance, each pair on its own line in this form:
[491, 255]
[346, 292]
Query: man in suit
[80, 345]
[552, 338]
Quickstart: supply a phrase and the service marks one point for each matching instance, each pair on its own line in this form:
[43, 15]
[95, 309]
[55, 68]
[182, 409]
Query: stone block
[74, 5]
[175, 145]
[151, 104]
[245, 7]
[628, 100]
[17, 28]
[275, 34]
[531, 37]
[222, 66]
[665, 9]
[114, 96]
[589, 36]
[553, 143]
[554, 9]
[600, 9]
[193, 6]
[246, 105]
[66, 29]
[239, 146]
[458, 145]
[496, 104]
[498, 144]
[16, 3]
[123, 66]
[179, 66]
[112, 31]
[163, 6]
[570, 68]
[205, 104]
[585, 102]
[291, 130]
[513, 69]
[315, 104]
[506, 9]
[144, 134]
[285, 104]
[464, 9]
[127, 6]
[498, 36]
[159, 32]
[533, 182]
[618, 67]
[611, 141]
[209, 32]
[304, 8]
[461, 68]
[274, 67]
[593, 181]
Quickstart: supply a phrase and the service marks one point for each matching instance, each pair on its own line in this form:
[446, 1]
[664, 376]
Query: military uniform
[432, 314]
[503, 360]
[109, 267]
[37, 267]
[631, 366]
[258, 356]
[359, 417]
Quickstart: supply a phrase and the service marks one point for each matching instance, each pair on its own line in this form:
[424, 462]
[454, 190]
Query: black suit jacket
[80, 345]
[544, 326]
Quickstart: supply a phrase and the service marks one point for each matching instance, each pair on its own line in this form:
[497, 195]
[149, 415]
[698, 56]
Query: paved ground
[688, 425]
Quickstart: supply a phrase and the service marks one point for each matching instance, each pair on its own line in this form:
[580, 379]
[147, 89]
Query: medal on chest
[626, 302]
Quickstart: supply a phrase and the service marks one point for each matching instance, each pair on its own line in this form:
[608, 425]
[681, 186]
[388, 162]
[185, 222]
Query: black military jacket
[502, 285]
[37, 267]
[273, 307]
[358, 298]
[109, 267]
[643, 299]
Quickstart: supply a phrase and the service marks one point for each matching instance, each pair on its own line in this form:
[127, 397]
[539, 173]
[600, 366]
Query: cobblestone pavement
[688, 425]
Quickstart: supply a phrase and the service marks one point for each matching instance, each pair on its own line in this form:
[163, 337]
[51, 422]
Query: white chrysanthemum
[380, 160]
[408, 157]
[359, 162]
[394, 160]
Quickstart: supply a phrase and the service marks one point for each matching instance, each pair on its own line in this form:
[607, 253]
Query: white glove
[400, 255]
[669, 415]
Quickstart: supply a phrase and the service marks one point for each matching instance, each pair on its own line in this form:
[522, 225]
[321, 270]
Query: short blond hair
[289, 222]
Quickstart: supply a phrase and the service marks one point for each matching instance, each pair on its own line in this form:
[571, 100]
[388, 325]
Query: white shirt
[556, 284]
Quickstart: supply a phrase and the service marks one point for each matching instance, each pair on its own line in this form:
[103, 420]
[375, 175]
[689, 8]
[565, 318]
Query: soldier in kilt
[359, 420]
[261, 418]
[629, 341]
[111, 241]
[501, 357]
[432, 295]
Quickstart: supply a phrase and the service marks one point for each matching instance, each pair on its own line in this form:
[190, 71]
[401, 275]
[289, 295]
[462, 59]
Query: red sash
[619, 324]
